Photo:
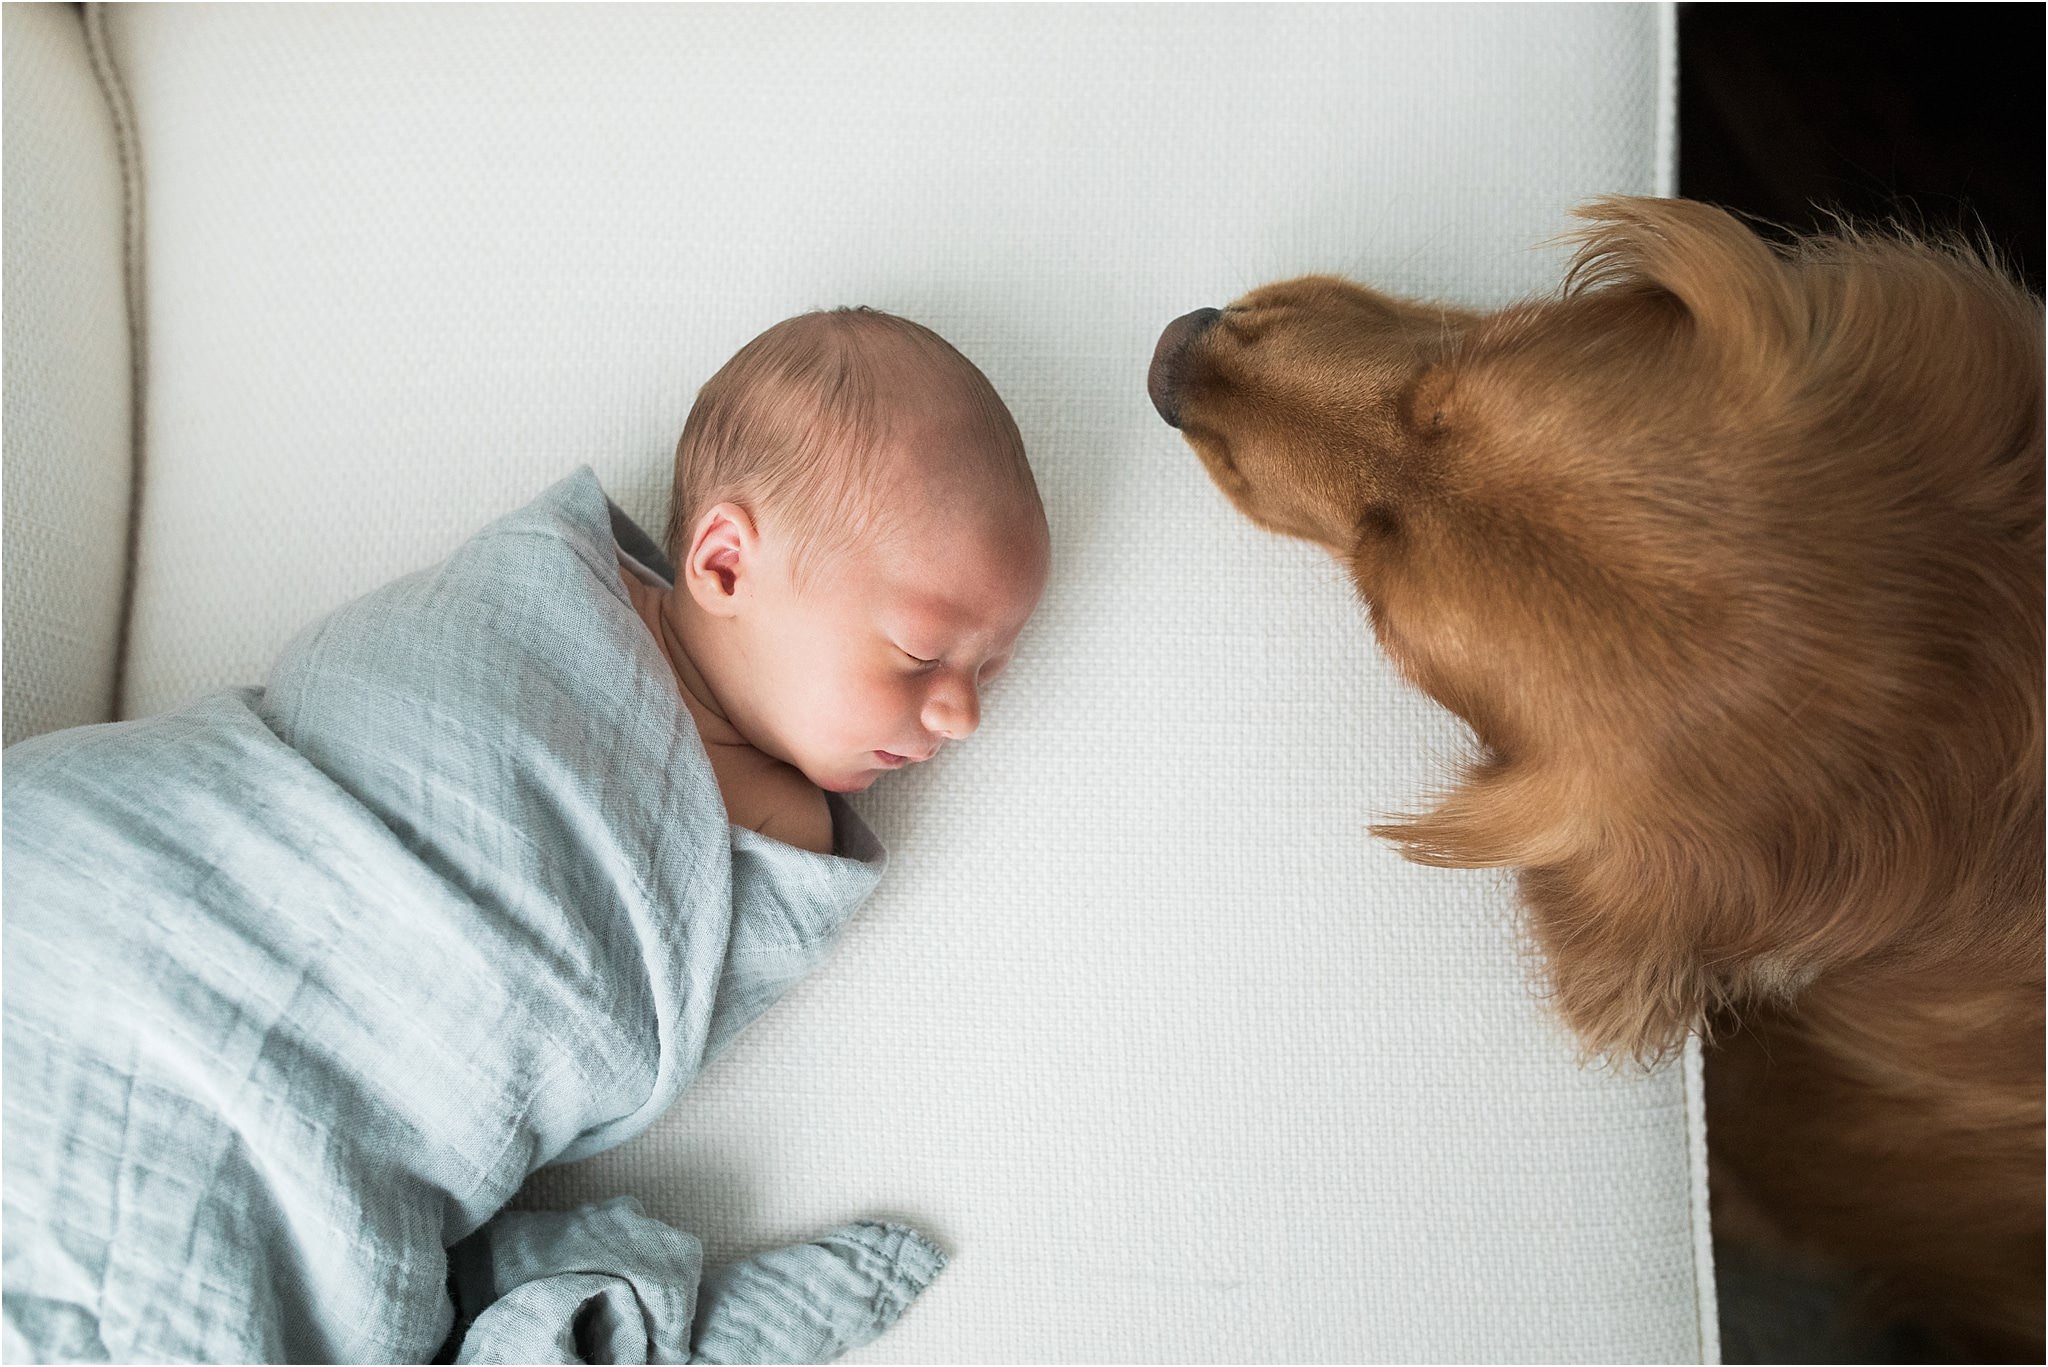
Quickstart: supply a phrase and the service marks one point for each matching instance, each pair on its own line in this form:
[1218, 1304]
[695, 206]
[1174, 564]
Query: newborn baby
[858, 543]
[303, 981]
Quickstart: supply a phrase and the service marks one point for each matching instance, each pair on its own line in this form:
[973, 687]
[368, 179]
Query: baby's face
[879, 659]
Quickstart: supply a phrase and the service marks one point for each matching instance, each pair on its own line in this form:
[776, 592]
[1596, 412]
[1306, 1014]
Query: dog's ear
[1739, 295]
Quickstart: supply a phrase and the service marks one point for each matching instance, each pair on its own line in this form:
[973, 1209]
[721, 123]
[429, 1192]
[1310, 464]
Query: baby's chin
[845, 780]
[833, 776]
[854, 778]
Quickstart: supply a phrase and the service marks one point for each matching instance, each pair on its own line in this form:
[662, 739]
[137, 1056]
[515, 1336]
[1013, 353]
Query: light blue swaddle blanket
[303, 981]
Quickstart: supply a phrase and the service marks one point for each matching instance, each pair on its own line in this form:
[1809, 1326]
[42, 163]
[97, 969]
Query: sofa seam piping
[1706, 1289]
[1705, 1286]
[1666, 137]
[99, 49]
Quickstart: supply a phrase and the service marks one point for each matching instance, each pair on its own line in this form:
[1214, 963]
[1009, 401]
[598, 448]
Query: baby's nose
[952, 713]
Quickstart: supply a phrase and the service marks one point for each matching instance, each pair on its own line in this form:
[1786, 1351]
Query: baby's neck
[759, 791]
[652, 606]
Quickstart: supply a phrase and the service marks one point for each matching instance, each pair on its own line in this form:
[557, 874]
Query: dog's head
[1730, 559]
[1301, 399]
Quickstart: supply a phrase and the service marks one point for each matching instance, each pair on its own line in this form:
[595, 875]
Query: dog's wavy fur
[1731, 557]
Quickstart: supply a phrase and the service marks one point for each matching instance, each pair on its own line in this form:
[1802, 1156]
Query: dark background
[1930, 115]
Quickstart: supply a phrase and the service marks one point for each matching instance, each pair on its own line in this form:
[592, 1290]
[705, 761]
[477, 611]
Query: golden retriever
[1731, 558]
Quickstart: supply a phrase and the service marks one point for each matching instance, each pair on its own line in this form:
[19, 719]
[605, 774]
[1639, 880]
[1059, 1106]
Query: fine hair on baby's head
[797, 429]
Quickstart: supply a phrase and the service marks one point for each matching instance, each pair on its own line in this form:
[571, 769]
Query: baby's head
[858, 543]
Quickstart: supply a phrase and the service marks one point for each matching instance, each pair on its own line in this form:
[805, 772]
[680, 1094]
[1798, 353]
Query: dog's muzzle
[1163, 381]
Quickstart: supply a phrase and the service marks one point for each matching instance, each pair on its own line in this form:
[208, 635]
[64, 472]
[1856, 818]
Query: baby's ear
[722, 551]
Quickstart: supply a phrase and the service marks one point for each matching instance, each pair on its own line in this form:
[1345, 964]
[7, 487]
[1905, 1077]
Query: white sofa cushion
[1174, 1058]
[68, 466]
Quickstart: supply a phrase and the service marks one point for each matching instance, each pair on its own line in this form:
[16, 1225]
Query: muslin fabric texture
[607, 1284]
[303, 981]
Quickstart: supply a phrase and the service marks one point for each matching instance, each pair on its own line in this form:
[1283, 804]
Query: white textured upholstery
[68, 461]
[1177, 1062]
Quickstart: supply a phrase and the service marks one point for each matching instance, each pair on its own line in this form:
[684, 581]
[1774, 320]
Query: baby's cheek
[860, 715]
[891, 712]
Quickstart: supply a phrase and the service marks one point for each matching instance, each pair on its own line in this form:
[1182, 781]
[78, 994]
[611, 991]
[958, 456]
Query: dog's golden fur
[1731, 558]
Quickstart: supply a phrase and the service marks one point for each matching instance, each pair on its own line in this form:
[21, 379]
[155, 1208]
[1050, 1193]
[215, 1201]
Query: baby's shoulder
[765, 795]
[800, 815]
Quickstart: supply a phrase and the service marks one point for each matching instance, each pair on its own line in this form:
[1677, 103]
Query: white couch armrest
[69, 452]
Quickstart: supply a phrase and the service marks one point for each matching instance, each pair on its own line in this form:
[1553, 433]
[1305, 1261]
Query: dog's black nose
[1164, 379]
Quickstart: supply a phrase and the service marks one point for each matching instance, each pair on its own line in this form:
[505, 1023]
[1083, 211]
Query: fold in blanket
[302, 983]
